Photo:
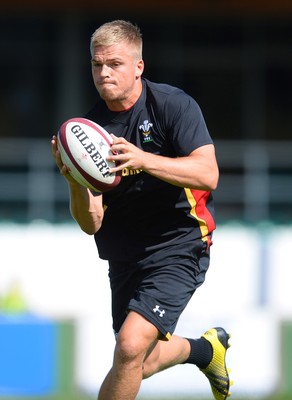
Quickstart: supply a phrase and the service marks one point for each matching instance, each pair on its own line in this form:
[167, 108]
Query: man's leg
[207, 353]
[138, 355]
[134, 340]
[166, 354]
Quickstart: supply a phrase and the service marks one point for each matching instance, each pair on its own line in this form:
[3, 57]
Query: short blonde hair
[115, 32]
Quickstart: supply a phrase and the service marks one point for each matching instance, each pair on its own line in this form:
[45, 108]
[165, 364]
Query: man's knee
[135, 339]
[129, 349]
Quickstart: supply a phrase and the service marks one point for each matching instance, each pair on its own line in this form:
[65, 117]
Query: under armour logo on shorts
[161, 312]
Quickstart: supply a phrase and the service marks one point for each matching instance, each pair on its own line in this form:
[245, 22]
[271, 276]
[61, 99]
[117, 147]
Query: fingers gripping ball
[84, 147]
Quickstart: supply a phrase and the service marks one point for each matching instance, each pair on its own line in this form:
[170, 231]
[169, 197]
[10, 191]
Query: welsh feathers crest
[145, 128]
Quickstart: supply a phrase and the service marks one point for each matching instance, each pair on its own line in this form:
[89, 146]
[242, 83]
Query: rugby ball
[84, 147]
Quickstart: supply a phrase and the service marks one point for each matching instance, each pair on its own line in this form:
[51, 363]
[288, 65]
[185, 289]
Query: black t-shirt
[144, 214]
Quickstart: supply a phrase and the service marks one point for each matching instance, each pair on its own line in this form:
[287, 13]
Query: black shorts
[160, 286]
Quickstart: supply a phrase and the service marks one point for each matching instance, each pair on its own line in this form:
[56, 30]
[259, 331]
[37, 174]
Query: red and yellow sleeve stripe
[199, 211]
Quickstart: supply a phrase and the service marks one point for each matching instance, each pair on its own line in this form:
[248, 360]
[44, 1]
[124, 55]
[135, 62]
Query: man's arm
[86, 209]
[198, 170]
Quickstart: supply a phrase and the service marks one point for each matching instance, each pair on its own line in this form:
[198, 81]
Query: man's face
[116, 73]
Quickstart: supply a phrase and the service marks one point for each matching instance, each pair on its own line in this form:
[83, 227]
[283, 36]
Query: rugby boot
[216, 371]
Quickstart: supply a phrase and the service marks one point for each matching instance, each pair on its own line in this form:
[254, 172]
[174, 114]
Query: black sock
[201, 352]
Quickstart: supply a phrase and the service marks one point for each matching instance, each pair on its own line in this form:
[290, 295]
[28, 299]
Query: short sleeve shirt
[144, 214]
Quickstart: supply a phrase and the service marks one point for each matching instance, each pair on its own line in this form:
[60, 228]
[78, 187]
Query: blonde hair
[115, 32]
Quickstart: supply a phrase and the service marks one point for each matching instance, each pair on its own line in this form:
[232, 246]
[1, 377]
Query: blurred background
[235, 59]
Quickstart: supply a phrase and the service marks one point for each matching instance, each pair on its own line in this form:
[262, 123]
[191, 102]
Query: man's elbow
[89, 229]
[214, 184]
[89, 232]
[212, 181]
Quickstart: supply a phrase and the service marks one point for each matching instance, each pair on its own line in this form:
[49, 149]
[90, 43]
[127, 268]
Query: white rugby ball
[84, 147]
